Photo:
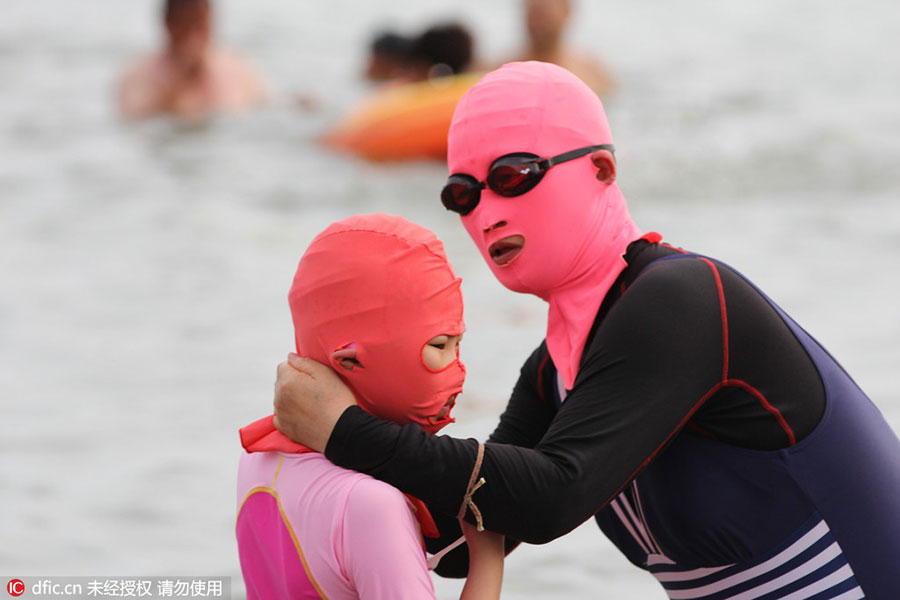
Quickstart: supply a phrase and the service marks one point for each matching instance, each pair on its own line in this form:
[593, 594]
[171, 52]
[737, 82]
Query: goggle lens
[514, 176]
[461, 194]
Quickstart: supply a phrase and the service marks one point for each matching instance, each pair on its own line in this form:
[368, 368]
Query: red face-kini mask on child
[382, 286]
[575, 228]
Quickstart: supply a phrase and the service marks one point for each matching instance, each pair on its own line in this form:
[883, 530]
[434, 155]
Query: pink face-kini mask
[381, 286]
[576, 228]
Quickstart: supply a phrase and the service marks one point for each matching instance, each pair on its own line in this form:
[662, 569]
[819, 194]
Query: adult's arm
[523, 423]
[653, 361]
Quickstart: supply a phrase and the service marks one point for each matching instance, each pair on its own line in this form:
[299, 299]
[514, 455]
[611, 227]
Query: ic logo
[15, 587]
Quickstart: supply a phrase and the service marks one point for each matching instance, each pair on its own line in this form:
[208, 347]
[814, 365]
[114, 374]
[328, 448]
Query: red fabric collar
[262, 436]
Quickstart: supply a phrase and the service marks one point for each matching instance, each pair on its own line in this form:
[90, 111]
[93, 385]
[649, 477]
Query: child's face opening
[440, 351]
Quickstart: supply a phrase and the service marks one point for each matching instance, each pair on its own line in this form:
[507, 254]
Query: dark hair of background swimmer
[392, 44]
[448, 44]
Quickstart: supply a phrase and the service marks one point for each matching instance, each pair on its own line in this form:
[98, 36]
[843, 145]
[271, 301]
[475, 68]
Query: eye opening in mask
[437, 356]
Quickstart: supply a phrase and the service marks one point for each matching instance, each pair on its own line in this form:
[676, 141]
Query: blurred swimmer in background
[420, 79]
[191, 76]
[442, 49]
[389, 55]
[545, 27]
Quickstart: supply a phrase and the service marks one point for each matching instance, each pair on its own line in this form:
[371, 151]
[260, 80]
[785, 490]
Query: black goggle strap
[546, 163]
[475, 186]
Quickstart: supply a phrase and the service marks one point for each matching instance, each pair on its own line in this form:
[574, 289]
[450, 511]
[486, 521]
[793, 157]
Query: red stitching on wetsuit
[792, 439]
[678, 427]
[724, 317]
[670, 247]
[700, 430]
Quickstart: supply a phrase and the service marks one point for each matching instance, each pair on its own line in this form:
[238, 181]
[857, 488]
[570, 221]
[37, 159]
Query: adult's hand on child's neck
[309, 400]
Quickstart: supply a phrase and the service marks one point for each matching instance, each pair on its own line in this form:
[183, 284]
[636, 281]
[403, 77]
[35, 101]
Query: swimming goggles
[510, 175]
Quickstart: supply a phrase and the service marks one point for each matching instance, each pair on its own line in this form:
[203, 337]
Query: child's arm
[486, 554]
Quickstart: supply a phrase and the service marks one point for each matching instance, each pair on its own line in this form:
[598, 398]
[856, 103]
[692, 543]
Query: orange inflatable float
[405, 121]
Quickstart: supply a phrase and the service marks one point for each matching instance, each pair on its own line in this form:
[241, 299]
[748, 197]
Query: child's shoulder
[359, 489]
[378, 497]
[372, 501]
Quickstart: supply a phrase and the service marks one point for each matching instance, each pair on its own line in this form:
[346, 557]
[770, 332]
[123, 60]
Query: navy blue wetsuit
[715, 442]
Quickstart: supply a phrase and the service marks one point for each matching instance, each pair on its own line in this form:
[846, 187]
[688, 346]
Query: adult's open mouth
[504, 251]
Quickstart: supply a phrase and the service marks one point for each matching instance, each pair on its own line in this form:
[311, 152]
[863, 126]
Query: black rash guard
[677, 346]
